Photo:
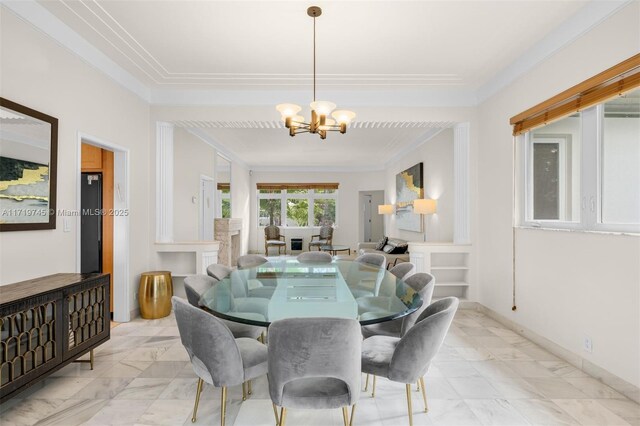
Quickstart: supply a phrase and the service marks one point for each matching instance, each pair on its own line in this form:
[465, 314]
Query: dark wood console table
[48, 322]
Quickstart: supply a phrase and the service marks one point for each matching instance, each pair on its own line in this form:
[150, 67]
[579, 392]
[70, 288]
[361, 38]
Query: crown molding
[586, 18]
[38, 16]
[589, 16]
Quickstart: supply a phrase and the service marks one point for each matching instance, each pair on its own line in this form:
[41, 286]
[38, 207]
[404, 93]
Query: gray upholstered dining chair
[402, 270]
[407, 359]
[324, 237]
[314, 363]
[257, 289]
[314, 257]
[218, 271]
[196, 285]
[216, 357]
[365, 274]
[272, 238]
[251, 261]
[423, 284]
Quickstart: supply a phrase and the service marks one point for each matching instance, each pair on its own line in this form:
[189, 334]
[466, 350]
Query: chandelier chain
[314, 59]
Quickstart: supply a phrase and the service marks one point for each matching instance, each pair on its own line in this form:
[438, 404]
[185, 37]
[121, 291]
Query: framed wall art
[28, 160]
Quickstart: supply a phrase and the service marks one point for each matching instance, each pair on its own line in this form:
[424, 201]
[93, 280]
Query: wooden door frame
[121, 257]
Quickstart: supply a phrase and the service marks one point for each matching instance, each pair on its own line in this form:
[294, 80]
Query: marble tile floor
[484, 375]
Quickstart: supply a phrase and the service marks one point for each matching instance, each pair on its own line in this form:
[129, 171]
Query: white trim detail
[121, 201]
[164, 182]
[45, 21]
[588, 17]
[461, 210]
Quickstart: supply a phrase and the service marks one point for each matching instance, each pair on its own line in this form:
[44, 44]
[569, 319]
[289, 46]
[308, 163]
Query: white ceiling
[380, 54]
[267, 44]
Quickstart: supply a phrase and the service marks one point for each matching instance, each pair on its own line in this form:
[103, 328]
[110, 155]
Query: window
[620, 160]
[583, 171]
[301, 205]
[225, 197]
[553, 163]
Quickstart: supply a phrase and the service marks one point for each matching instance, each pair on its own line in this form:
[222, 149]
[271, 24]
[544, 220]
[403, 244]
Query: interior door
[366, 217]
[207, 209]
[91, 223]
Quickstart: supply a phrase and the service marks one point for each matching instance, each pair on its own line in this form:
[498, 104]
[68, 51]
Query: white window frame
[311, 196]
[591, 138]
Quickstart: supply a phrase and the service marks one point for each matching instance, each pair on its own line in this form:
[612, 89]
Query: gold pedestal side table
[154, 294]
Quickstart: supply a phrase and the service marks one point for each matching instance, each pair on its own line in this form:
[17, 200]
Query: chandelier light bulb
[327, 124]
[297, 120]
[323, 107]
[288, 110]
[343, 116]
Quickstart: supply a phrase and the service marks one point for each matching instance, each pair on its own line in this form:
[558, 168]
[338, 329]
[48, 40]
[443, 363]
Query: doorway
[96, 220]
[371, 223]
[111, 163]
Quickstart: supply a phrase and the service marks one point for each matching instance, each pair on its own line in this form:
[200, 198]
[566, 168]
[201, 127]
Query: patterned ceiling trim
[93, 15]
[251, 124]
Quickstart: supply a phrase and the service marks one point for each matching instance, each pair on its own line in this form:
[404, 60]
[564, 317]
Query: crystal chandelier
[320, 110]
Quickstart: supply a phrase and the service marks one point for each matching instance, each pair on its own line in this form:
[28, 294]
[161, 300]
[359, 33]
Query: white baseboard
[627, 389]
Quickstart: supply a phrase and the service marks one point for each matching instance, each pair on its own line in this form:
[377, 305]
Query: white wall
[40, 74]
[437, 156]
[569, 284]
[348, 218]
[192, 157]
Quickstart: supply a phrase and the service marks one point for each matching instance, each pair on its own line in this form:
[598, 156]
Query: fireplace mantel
[227, 232]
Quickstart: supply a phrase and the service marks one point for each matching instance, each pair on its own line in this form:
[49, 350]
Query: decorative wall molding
[588, 17]
[31, 11]
[461, 206]
[164, 182]
[278, 124]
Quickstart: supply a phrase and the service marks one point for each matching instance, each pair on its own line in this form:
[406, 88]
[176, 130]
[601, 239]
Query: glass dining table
[286, 288]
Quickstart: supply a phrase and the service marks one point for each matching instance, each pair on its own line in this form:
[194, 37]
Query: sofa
[392, 250]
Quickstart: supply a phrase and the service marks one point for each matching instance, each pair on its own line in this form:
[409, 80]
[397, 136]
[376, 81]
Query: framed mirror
[28, 160]
[223, 186]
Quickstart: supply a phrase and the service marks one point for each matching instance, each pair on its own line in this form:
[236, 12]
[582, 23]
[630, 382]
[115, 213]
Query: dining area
[322, 330]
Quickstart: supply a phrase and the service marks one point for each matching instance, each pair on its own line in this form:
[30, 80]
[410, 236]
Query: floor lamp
[423, 207]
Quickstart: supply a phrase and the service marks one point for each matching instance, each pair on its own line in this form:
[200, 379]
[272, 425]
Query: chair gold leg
[275, 413]
[424, 395]
[366, 384]
[223, 405]
[91, 358]
[261, 338]
[418, 386]
[373, 388]
[283, 415]
[345, 416]
[353, 410]
[248, 387]
[409, 404]
[244, 391]
[195, 407]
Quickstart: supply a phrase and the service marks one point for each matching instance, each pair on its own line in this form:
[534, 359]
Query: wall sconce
[423, 207]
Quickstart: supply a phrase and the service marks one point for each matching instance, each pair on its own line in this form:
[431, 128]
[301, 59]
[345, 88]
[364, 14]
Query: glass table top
[286, 289]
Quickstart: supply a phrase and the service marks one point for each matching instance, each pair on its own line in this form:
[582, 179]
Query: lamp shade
[344, 116]
[323, 107]
[385, 209]
[288, 110]
[424, 206]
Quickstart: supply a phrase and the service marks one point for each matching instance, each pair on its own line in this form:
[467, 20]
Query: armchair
[272, 238]
[324, 238]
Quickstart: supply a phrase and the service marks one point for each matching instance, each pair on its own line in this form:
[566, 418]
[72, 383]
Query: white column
[461, 215]
[164, 182]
